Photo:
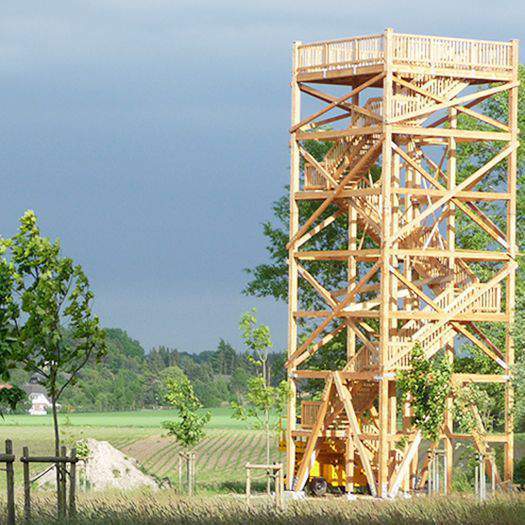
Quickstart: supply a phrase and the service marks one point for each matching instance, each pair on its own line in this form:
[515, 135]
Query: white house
[37, 394]
[39, 404]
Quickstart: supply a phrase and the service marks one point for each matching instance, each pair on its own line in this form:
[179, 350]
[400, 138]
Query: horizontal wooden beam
[491, 438]
[323, 374]
[373, 253]
[417, 193]
[339, 134]
[467, 255]
[436, 316]
[345, 194]
[425, 193]
[338, 255]
[461, 135]
[480, 378]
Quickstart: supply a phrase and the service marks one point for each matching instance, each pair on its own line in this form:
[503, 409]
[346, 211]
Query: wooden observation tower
[388, 116]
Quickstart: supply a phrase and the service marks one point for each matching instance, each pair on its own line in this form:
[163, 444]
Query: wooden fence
[59, 463]
[271, 472]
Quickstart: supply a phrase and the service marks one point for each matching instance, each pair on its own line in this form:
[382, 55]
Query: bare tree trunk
[55, 425]
[59, 473]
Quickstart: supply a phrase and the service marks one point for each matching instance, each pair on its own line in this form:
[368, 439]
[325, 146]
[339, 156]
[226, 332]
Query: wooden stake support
[273, 472]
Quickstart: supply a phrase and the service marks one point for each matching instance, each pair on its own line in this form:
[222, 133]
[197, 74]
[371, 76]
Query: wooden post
[248, 484]
[193, 472]
[10, 478]
[58, 487]
[72, 484]
[281, 487]
[63, 480]
[349, 462]
[511, 280]
[27, 484]
[386, 302]
[189, 474]
[292, 272]
[451, 245]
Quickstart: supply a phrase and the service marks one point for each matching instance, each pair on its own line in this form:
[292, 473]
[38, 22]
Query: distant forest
[129, 378]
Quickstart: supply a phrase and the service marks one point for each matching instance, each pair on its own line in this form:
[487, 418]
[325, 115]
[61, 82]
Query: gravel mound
[106, 468]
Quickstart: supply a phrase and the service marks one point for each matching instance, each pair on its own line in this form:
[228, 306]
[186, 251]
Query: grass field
[221, 456]
[221, 419]
[168, 508]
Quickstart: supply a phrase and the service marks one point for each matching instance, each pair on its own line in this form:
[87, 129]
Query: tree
[428, 383]
[261, 398]
[188, 430]
[10, 396]
[223, 360]
[47, 324]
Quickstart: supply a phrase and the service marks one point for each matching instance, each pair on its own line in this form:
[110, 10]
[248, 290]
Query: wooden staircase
[479, 297]
[363, 395]
[351, 151]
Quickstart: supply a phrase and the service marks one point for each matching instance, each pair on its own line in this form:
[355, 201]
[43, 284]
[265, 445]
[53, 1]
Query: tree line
[130, 378]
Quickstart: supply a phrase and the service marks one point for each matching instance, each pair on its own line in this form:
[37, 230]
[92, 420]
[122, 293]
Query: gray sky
[151, 137]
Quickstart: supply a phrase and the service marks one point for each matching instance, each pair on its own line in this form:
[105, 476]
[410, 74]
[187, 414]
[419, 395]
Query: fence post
[281, 486]
[72, 483]
[188, 473]
[27, 484]
[10, 476]
[58, 473]
[63, 480]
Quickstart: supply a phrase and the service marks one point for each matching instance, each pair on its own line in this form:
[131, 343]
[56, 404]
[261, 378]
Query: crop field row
[220, 457]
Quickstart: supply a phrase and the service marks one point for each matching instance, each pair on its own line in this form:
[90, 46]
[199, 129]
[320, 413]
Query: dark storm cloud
[151, 136]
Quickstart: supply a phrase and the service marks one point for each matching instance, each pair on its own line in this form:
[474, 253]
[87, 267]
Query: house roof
[33, 388]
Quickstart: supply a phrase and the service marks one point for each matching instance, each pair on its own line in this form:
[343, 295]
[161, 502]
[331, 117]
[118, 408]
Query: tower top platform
[339, 61]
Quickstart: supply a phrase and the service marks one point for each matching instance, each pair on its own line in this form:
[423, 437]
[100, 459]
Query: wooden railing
[418, 50]
[432, 337]
[457, 53]
[309, 410]
[364, 359]
[341, 54]
[313, 180]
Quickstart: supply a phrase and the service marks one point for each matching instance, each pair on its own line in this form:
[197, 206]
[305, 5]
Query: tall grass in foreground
[166, 507]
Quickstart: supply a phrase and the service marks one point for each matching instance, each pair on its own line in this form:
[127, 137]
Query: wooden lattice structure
[389, 107]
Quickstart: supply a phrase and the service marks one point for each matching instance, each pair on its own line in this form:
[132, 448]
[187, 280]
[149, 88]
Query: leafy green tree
[48, 324]
[261, 399]
[188, 430]
[10, 397]
[239, 382]
[428, 383]
[162, 357]
[224, 359]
